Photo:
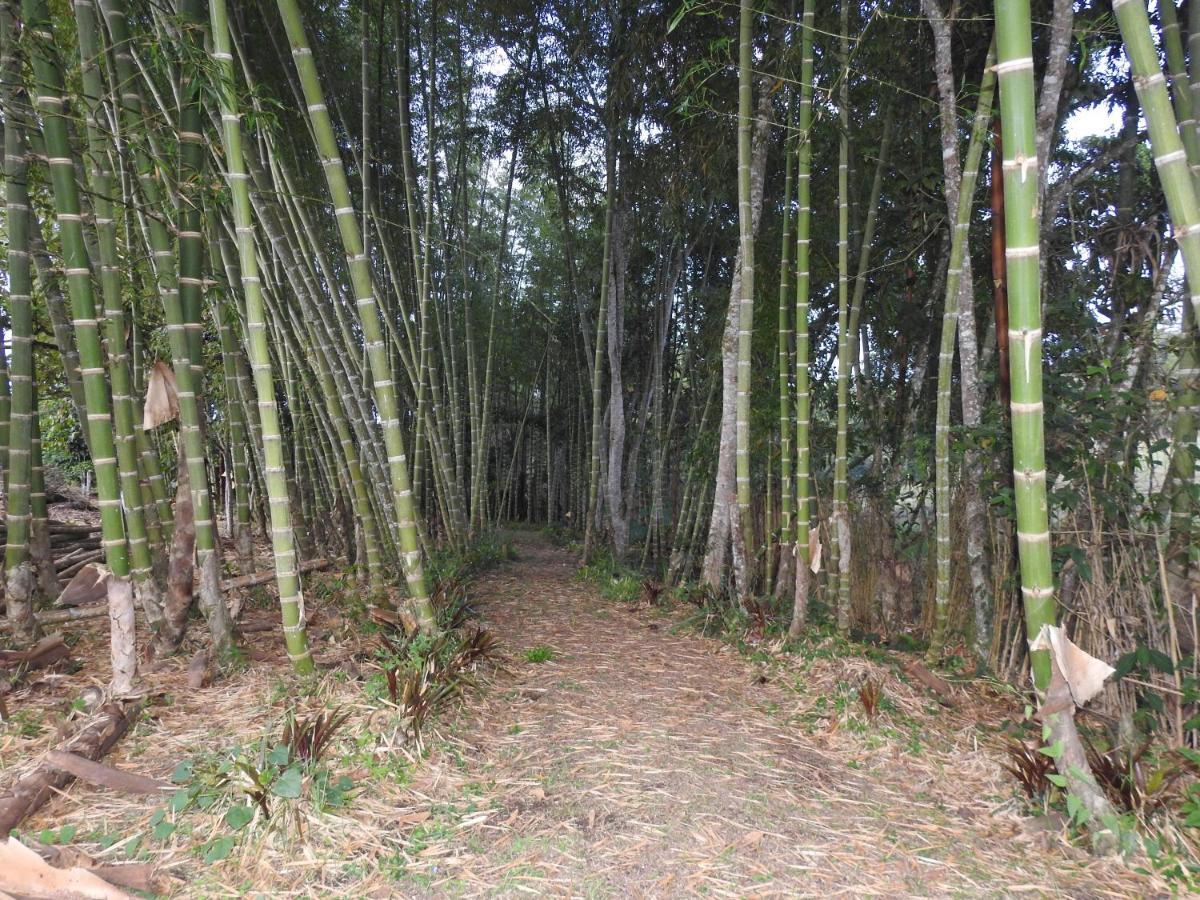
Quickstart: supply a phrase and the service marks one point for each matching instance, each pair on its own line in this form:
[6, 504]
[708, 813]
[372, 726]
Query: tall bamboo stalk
[787, 557]
[841, 505]
[746, 301]
[803, 405]
[1170, 157]
[1014, 68]
[48, 81]
[104, 187]
[20, 587]
[592, 511]
[283, 543]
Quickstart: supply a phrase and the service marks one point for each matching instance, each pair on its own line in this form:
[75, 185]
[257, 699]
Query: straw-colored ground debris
[610, 754]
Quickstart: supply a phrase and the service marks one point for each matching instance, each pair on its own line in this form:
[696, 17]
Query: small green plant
[422, 672]
[308, 739]
[539, 654]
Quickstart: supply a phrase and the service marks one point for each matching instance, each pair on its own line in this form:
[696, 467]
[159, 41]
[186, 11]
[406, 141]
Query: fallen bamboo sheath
[95, 611]
[100, 775]
[27, 875]
[936, 684]
[45, 652]
[31, 792]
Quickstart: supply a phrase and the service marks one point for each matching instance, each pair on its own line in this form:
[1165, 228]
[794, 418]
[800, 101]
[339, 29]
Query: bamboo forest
[729, 448]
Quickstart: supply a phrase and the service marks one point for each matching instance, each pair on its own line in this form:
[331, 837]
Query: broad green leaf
[1054, 751]
[219, 849]
[289, 784]
[238, 817]
[183, 772]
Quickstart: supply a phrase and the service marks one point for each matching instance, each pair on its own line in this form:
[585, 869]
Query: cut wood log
[101, 775]
[59, 616]
[93, 742]
[57, 527]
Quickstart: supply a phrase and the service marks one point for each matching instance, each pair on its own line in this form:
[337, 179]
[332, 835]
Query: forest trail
[642, 761]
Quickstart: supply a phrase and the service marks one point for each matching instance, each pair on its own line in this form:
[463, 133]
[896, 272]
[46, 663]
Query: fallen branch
[32, 791]
[244, 581]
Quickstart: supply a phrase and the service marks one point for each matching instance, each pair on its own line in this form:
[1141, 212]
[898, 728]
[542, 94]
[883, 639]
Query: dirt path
[642, 762]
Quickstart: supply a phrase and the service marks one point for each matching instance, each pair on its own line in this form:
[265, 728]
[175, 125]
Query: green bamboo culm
[1181, 93]
[50, 103]
[242, 536]
[841, 501]
[746, 300]
[1186, 390]
[193, 465]
[954, 287]
[104, 187]
[1014, 69]
[803, 403]
[1022, 232]
[21, 584]
[283, 544]
[593, 513]
[784, 375]
[364, 293]
[1170, 156]
[192, 146]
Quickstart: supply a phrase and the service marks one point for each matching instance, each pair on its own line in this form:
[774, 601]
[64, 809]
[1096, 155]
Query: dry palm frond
[308, 739]
[476, 645]
[1029, 766]
[652, 591]
[760, 619]
[869, 695]
[1134, 782]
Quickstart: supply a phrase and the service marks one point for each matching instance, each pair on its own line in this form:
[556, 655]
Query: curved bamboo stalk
[954, 286]
[360, 275]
